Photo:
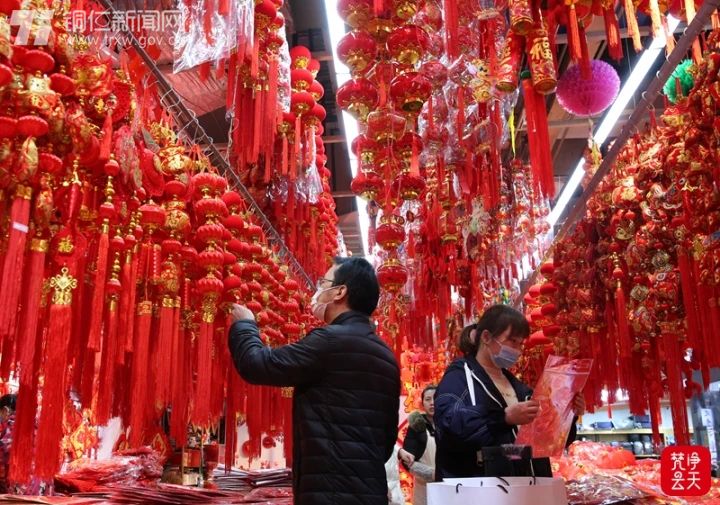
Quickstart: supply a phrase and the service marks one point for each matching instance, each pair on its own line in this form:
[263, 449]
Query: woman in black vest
[418, 450]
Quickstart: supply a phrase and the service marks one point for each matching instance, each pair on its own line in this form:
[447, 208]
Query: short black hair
[495, 319]
[8, 401]
[362, 284]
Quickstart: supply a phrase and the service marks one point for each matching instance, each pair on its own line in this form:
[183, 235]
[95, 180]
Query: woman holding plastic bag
[479, 404]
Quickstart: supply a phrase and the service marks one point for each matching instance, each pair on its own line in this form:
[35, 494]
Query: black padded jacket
[345, 406]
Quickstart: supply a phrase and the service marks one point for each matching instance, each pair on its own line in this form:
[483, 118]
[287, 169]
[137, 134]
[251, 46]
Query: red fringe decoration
[538, 139]
[20, 468]
[585, 70]
[164, 351]
[98, 300]
[573, 34]
[622, 322]
[50, 429]
[674, 380]
[451, 28]
[139, 378]
[107, 368]
[201, 414]
[11, 284]
[106, 142]
[632, 25]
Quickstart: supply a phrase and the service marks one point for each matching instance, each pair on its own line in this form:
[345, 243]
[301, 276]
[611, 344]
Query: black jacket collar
[351, 316]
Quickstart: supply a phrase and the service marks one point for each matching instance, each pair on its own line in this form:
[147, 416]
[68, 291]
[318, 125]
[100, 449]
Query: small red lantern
[356, 13]
[409, 186]
[385, 125]
[391, 232]
[407, 44]
[317, 90]
[367, 185]
[301, 102]
[357, 50]
[410, 91]
[392, 275]
[358, 97]
[301, 79]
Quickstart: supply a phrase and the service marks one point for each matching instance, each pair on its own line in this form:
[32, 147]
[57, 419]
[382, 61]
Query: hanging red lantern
[301, 102]
[357, 50]
[356, 13]
[301, 79]
[391, 232]
[317, 90]
[314, 67]
[385, 125]
[409, 186]
[392, 275]
[367, 185]
[358, 97]
[265, 13]
[406, 9]
[407, 44]
[410, 91]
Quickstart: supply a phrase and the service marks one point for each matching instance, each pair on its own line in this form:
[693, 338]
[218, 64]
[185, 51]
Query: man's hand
[241, 312]
[522, 412]
[578, 404]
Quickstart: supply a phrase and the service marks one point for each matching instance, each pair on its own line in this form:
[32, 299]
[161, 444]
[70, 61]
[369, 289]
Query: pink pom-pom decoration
[586, 98]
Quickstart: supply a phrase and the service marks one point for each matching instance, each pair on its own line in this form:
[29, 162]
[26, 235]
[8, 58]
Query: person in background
[418, 451]
[7, 421]
[479, 403]
[347, 389]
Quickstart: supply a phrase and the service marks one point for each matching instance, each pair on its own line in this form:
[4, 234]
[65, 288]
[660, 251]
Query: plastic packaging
[602, 490]
[562, 378]
[194, 46]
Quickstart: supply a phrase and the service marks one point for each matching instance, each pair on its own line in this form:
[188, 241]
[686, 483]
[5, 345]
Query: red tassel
[285, 154]
[224, 7]
[107, 367]
[139, 375]
[164, 352]
[451, 28]
[574, 34]
[204, 72]
[50, 430]
[98, 300]
[201, 415]
[106, 142]
[24, 431]
[179, 420]
[14, 259]
[460, 123]
[296, 148]
[632, 25]
[585, 69]
[622, 322]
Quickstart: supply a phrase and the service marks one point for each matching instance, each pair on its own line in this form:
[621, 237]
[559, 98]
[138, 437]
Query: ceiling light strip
[336, 31]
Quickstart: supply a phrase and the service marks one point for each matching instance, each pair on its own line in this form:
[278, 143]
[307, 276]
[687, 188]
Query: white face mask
[319, 308]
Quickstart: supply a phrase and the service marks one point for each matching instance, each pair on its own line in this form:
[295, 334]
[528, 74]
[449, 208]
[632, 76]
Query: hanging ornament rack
[191, 128]
[696, 26]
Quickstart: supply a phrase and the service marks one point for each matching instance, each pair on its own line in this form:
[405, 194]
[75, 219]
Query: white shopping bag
[498, 491]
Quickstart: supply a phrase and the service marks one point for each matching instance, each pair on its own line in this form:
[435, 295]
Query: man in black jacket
[347, 389]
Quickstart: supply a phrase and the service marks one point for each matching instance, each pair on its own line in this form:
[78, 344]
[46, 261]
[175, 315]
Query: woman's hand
[522, 412]
[406, 457]
[578, 404]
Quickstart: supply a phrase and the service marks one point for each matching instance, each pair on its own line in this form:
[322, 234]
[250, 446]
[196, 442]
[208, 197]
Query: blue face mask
[506, 357]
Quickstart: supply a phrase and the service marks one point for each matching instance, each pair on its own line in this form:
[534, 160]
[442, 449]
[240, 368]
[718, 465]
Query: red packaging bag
[561, 379]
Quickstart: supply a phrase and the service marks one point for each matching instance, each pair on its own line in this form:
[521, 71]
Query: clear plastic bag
[561, 379]
[193, 46]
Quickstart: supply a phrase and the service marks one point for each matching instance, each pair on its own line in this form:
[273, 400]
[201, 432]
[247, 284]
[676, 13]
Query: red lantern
[358, 97]
[357, 50]
[406, 9]
[301, 79]
[385, 125]
[356, 13]
[317, 90]
[391, 232]
[301, 102]
[392, 275]
[409, 186]
[367, 185]
[410, 91]
[407, 44]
